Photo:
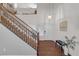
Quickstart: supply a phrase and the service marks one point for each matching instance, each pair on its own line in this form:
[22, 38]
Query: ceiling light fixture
[49, 17]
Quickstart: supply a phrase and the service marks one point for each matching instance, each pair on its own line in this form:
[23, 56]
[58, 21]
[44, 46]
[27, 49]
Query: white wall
[10, 44]
[41, 22]
[59, 12]
[70, 13]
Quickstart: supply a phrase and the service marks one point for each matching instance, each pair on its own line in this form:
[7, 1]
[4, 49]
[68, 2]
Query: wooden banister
[20, 28]
[28, 34]
[9, 8]
[17, 19]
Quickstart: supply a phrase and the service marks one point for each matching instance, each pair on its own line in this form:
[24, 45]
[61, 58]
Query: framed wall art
[63, 25]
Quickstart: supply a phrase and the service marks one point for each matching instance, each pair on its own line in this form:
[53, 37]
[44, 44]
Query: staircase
[9, 8]
[26, 33]
[18, 27]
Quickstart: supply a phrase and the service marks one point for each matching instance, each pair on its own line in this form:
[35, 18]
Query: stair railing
[20, 28]
[9, 8]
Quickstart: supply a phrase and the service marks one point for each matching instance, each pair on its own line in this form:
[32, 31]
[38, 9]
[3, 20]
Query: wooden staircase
[28, 34]
[18, 27]
[9, 8]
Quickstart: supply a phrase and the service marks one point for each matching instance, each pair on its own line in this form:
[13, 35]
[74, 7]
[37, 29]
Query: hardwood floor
[49, 48]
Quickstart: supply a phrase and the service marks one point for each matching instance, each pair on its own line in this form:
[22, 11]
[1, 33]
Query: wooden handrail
[23, 24]
[9, 8]
[19, 20]
[18, 23]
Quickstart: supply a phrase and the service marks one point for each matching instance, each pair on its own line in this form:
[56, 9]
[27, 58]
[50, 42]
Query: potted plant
[69, 43]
